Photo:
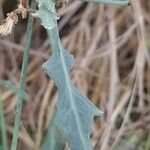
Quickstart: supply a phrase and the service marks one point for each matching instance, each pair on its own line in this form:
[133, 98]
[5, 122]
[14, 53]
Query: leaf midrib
[70, 94]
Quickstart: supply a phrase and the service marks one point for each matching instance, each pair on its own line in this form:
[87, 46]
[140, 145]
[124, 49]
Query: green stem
[112, 2]
[21, 89]
[3, 127]
[53, 36]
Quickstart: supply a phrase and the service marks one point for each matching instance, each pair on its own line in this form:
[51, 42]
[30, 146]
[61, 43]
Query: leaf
[75, 112]
[47, 17]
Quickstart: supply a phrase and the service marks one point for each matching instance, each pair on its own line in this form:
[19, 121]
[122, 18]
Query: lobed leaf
[75, 112]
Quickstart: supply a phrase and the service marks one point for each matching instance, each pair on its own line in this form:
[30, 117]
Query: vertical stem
[53, 36]
[21, 89]
[3, 127]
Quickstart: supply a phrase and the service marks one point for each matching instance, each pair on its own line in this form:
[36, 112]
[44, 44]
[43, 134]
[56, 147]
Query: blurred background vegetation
[111, 48]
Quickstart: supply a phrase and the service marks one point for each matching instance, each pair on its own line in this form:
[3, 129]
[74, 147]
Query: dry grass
[111, 47]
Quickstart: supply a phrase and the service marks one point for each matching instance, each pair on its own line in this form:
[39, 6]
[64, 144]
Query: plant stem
[3, 127]
[112, 2]
[21, 89]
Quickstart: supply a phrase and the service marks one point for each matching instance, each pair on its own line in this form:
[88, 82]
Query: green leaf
[75, 112]
[47, 17]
